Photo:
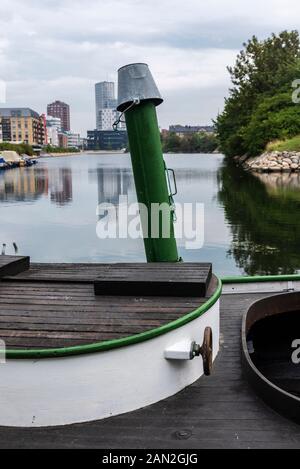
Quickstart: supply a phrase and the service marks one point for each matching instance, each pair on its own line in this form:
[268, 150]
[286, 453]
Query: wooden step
[155, 279]
[12, 265]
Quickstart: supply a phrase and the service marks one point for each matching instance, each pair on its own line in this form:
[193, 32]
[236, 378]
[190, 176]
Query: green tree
[263, 69]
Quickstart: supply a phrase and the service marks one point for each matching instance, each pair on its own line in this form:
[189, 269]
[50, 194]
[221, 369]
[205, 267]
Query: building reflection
[113, 182]
[24, 184]
[29, 184]
[61, 186]
[263, 213]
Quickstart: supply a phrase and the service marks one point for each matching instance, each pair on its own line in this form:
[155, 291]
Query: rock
[274, 161]
[275, 168]
[243, 158]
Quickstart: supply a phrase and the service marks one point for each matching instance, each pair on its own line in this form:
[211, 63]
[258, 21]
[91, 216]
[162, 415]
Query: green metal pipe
[261, 278]
[150, 181]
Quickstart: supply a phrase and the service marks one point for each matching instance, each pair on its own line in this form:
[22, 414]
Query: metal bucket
[135, 84]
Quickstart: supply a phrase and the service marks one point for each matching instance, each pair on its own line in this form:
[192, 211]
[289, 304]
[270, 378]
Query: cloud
[57, 49]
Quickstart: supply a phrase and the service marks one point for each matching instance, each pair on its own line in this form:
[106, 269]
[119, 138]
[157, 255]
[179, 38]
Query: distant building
[52, 136]
[22, 125]
[52, 121]
[53, 126]
[106, 106]
[182, 130]
[107, 118]
[62, 140]
[106, 139]
[61, 110]
[83, 143]
[104, 99]
[73, 140]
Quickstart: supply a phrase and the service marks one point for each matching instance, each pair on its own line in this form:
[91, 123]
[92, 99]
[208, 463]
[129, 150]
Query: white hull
[61, 391]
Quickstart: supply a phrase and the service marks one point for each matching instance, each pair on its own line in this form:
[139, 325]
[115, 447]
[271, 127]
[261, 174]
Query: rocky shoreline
[275, 161]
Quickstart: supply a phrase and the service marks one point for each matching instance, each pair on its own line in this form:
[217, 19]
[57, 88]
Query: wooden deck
[54, 306]
[220, 411]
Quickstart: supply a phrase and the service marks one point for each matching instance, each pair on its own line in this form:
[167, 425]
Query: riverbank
[274, 161]
[85, 152]
[52, 155]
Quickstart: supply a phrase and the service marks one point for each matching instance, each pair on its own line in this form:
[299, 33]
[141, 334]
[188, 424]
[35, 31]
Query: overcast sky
[58, 49]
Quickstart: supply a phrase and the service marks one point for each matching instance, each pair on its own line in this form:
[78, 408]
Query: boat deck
[220, 411]
[55, 306]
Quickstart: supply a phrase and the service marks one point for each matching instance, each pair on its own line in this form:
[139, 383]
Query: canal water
[251, 223]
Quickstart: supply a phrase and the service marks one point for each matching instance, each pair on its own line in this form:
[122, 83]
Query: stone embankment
[275, 161]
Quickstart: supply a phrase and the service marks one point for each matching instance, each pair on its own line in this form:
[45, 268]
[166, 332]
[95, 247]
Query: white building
[53, 125]
[74, 140]
[52, 136]
[106, 118]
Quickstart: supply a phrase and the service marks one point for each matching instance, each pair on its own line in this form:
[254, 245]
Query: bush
[19, 148]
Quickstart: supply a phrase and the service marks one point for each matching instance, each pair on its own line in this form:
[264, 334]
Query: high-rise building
[106, 104]
[20, 125]
[61, 110]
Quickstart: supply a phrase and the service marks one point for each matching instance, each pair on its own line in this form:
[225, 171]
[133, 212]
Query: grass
[292, 144]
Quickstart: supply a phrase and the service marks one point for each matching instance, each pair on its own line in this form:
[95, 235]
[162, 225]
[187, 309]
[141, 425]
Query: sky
[58, 49]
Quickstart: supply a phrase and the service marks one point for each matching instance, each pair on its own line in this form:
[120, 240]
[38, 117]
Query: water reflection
[252, 223]
[113, 182]
[29, 184]
[23, 185]
[60, 186]
[263, 213]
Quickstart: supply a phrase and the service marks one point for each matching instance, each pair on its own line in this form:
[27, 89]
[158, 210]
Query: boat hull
[87, 387]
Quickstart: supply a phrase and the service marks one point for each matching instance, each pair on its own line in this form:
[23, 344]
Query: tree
[263, 69]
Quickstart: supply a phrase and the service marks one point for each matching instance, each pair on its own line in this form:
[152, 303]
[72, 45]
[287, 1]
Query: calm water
[252, 224]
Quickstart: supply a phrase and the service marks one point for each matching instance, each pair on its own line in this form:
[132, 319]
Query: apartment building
[22, 125]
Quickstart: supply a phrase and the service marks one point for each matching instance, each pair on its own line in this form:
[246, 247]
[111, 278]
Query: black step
[155, 279]
[12, 265]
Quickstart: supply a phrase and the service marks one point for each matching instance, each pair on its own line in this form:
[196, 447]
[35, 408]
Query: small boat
[26, 160]
[12, 158]
[3, 164]
[270, 339]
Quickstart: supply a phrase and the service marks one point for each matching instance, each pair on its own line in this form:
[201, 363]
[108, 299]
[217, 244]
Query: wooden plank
[159, 279]
[13, 265]
[86, 273]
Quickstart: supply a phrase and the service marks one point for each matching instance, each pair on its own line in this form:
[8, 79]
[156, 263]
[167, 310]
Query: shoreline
[89, 152]
[109, 153]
